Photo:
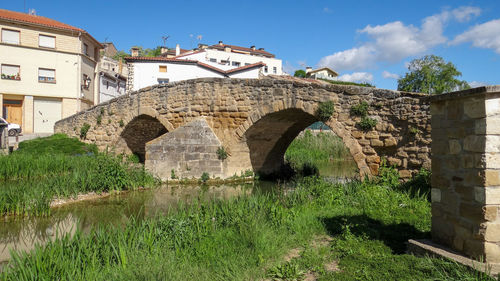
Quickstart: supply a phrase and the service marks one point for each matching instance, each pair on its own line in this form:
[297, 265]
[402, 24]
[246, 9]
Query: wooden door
[13, 111]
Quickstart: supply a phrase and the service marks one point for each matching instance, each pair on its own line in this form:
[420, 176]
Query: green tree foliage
[120, 55]
[142, 53]
[431, 74]
[300, 73]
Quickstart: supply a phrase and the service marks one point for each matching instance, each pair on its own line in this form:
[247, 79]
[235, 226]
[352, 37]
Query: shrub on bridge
[84, 130]
[325, 110]
[360, 109]
[367, 123]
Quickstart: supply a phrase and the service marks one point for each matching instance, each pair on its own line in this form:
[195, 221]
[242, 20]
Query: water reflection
[24, 234]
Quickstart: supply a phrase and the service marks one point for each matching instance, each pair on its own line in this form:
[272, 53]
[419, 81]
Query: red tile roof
[38, 20]
[201, 64]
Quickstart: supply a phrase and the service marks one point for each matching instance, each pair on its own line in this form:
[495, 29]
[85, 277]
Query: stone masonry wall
[466, 172]
[241, 111]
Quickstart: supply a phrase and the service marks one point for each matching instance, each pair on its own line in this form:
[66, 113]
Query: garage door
[46, 113]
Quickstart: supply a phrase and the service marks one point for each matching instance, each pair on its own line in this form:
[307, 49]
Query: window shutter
[10, 36]
[47, 41]
[49, 73]
[10, 70]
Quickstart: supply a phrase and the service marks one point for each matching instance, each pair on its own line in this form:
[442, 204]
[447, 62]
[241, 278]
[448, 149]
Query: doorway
[13, 111]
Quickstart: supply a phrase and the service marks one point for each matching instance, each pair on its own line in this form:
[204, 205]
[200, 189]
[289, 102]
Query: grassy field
[364, 228]
[308, 152]
[60, 167]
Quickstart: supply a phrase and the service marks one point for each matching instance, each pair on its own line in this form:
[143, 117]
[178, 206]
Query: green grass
[57, 143]
[60, 167]
[311, 151]
[349, 83]
[245, 238]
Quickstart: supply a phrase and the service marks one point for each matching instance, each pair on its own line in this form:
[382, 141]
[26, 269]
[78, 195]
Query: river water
[22, 234]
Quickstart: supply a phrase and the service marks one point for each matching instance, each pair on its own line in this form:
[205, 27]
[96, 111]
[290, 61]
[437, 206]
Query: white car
[14, 129]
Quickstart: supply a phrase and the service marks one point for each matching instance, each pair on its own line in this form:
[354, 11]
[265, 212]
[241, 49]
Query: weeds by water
[60, 167]
[307, 153]
[245, 238]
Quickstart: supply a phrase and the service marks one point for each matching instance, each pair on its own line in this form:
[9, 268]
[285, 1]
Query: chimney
[252, 47]
[227, 49]
[163, 50]
[261, 49]
[308, 69]
[177, 50]
[220, 43]
[134, 51]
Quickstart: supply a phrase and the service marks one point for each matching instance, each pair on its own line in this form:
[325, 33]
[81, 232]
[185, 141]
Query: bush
[172, 174]
[221, 153]
[204, 177]
[84, 130]
[360, 109]
[325, 110]
[367, 123]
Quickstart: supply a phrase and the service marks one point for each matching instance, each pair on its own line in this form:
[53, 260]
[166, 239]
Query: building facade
[48, 70]
[112, 74]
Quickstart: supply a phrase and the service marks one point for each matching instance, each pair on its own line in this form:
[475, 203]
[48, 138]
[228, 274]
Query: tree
[120, 55]
[432, 75]
[300, 73]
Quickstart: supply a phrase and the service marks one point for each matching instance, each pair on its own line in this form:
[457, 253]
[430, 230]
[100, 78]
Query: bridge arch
[269, 133]
[141, 128]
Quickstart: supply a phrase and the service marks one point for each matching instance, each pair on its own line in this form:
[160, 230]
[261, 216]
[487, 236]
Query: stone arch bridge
[180, 126]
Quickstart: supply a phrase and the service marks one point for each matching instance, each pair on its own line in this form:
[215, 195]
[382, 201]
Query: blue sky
[362, 40]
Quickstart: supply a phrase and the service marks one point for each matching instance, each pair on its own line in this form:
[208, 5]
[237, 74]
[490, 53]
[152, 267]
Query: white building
[112, 74]
[48, 70]
[218, 60]
[148, 71]
[321, 73]
[111, 85]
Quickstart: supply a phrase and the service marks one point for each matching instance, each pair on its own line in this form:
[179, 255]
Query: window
[213, 60]
[11, 72]
[10, 36]
[224, 62]
[265, 69]
[162, 68]
[47, 41]
[46, 75]
[236, 63]
[162, 81]
[86, 49]
[275, 70]
[86, 82]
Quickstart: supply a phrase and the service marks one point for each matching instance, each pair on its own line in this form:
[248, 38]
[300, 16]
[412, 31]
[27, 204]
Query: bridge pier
[466, 172]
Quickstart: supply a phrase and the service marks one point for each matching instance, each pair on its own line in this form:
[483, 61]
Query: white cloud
[388, 75]
[464, 14]
[475, 84]
[486, 35]
[357, 77]
[395, 41]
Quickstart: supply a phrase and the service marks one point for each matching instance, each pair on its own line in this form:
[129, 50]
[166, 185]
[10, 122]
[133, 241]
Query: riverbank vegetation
[364, 226]
[61, 167]
[309, 152]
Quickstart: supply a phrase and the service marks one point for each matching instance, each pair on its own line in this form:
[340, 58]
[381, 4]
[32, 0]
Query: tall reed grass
[315, 150]
[31, 179]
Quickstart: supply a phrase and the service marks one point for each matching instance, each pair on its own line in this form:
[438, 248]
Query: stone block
[454, 147]
[492, 252]
[471, 211]
[474, 248]
[474, 143]
[372, 135]
[390, 142]
[376, 143]
[374, 168]
[373, 159]
[394, 161]
[405, 174]
[492, 195]
[435, 195]
[492, 144]
[492, 177]
[491, 231]
[490, 213]
[492, 106]
[474, 108]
